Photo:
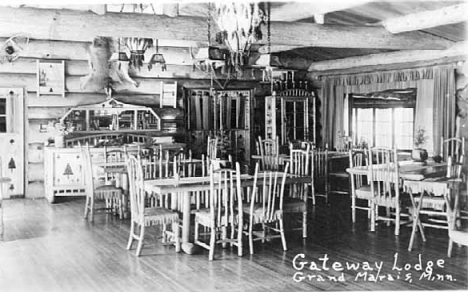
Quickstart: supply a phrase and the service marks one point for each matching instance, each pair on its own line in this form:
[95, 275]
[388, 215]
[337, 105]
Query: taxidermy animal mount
[102, 72]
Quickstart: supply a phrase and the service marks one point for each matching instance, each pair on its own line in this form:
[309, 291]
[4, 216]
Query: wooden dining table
[409, 170]
[187, 185]
[420, 178]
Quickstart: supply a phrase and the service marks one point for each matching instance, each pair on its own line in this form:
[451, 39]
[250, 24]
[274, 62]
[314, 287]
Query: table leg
[187, 246]
[125, 198]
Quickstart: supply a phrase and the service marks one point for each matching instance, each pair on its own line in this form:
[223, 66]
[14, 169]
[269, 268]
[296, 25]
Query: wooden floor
[51, 248]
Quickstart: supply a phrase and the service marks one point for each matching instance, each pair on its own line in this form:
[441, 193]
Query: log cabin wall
[39, 110]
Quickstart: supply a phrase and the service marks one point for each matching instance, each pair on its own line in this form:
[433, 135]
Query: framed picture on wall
[50, 77]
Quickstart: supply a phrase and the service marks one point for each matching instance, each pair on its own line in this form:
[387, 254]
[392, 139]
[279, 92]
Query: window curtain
[433, 85]
[444, 105]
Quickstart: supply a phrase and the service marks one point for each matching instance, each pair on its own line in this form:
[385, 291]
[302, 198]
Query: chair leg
[373, 215]
[87, 206]
[164, 233]
[397, 221]
[353, 209]
[176, 230]
[132, 233]
[251, 237]
[224, 236]
[196, 231]
[313, 194]
[91, 213]
[263, 232]
[304, 225]
[387, 210]
[140, 241]
[240, 247]
[283, 238]
[212, 243]
[450, 246]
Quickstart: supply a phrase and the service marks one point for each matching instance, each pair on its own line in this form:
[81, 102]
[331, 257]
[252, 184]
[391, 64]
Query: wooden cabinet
[290, 115]
[63, 171]
[209, 112]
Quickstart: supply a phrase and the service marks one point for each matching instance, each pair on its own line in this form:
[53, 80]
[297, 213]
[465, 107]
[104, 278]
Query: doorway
[12, 140]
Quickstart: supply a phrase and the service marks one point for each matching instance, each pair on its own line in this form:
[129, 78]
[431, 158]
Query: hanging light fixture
[119, 56]
[157, 58]
[137, 47]
[268, 61]
[240, 25]
[211, 57]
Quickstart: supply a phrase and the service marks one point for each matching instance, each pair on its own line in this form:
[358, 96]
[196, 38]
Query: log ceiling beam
[68, 25]
[427, 19]
[382, 61]
[295, 11]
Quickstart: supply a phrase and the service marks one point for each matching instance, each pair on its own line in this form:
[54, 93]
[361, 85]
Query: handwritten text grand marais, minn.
[365, 271]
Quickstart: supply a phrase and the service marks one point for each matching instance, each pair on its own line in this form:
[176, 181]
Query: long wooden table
[409, 170]
[425, 179]
[194, 184]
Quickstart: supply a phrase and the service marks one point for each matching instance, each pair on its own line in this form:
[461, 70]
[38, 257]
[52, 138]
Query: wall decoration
[50, 78]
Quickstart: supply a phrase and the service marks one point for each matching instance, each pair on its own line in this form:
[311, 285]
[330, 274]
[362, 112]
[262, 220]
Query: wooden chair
[385, 184]
[269, 152]
[360, 188]
[142, 216]
[434, 211]
[295, 200]
[115, 170]
[212, 148]
[266, 211]
[319, 159]
[110, 194]
[453, 147]
[456, 235]
[224, 213]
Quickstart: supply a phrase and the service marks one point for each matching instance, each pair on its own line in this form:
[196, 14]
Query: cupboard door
[67, 169]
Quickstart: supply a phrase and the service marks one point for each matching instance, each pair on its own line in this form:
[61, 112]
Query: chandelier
[240, 25]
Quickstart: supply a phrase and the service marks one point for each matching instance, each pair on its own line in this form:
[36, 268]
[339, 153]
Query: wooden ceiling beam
[456, 52]
[427, 19]
[68, 25]
[295, 11]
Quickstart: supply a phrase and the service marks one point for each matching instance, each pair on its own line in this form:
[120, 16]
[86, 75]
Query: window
[3, 115]
[384, 119]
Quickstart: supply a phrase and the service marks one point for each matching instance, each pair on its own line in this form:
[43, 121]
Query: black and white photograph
[243, 145]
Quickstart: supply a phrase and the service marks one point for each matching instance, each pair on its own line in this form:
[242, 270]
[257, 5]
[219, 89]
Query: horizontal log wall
[42, 109]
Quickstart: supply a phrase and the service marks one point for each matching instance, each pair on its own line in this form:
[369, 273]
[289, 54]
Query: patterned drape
[435, 96]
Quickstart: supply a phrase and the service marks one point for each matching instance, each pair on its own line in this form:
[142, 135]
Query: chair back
[455, 167]
[269, 152]
[271, 193]
[156, 165]
[453, 147]
[185, 166]
[385, 176]
[225, 188]
[319, 163]
[299, 160]
[268, 146]
[114, 162]
[212, 148]
[357, 157]
[136, 189]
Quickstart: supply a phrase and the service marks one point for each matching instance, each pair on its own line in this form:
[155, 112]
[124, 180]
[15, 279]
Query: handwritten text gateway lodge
[323, 269]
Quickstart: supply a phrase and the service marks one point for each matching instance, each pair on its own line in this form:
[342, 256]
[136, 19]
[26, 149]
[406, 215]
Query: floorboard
[50, 247]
